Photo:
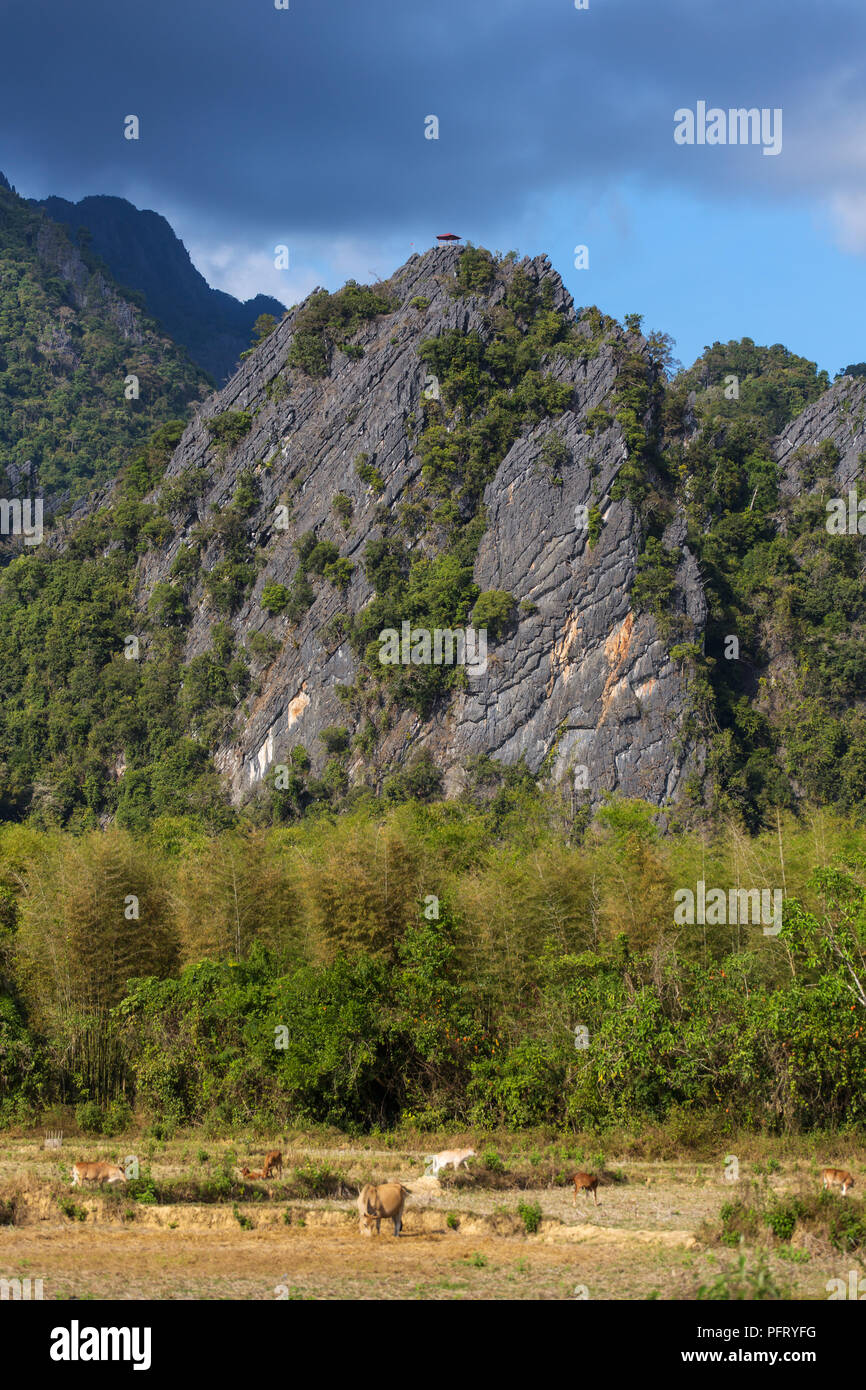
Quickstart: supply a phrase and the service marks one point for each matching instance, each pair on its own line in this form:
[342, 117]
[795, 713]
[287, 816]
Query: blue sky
[306, 127]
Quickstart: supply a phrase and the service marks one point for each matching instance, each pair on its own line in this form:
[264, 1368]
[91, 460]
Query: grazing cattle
[587, 1183]
[385, 1201]
[837, 1177]
[453, 1156]
[96, 1172]
[273, 1161]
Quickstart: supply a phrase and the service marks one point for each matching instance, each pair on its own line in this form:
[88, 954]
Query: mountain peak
[412, 436]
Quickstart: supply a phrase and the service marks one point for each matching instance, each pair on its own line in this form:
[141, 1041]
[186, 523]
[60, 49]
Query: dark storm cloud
[313, 118]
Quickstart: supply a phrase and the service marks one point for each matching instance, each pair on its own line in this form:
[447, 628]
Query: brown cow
[587, 1183]
[96, 1172]
[836, 1177]
[387, 1200]
[273, 1161]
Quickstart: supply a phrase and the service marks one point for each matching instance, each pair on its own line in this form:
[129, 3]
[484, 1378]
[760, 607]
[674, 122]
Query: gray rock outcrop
[580, 684]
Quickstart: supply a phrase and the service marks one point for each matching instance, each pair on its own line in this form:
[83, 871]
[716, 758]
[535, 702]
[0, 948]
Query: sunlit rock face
[580, 685]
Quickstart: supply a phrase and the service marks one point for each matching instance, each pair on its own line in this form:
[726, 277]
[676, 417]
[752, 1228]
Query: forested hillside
[781, 706]
[70, 343]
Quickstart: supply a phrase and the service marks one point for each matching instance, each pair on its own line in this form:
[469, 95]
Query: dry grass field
[506, 1229]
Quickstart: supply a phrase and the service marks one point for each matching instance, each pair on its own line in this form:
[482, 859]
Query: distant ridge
[142, 252]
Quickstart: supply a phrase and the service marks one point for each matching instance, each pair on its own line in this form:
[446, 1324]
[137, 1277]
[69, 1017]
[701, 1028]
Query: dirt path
[101, 1262]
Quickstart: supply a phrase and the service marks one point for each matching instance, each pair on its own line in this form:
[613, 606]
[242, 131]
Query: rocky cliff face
[838, 418]
[820, 454]
[580, 685]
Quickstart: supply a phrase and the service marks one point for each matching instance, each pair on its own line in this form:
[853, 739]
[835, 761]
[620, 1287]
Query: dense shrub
[494, 610]
[227, 430]
[275, 598]
[328, 320]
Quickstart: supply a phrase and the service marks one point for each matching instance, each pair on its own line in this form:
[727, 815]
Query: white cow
[453, 1156]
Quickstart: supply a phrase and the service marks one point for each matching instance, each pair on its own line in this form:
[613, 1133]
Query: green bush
[336, 629]
[227, 584]
[142, 1190]
[368, 474]
[339, 572]
[555, 454]
[300, 598]
[598, 419]
[275, 598]
[744, 1282]
[320, 1180]
[782, 1218]
[494, 610]
[653, 586]
[89, 1117]
[263, 645]
[310, 353]
[530, 1215]
[323, 554]
[739, 1218]
[71, 1209]
[117, 1118]
[167, 605]
[327, 320]
[847, 1228]
[342, 505]
[476, 270]
[420, 781]
[335, 739]
[228, 429]
[262, 328]
[517, 1089]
